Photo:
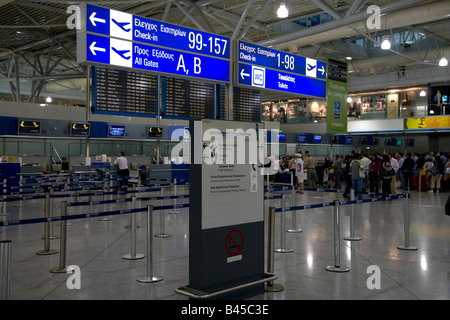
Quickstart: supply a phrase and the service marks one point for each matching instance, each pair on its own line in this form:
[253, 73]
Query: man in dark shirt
[408, 172]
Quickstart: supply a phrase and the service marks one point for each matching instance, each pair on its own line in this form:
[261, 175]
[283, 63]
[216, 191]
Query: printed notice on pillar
[230, 194]
[232, 189]
[228, 180]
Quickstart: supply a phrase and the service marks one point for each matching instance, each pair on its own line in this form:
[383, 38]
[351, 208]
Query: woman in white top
[299, 172]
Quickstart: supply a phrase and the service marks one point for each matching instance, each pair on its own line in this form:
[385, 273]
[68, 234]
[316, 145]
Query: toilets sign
[266, 68]
[117, 38]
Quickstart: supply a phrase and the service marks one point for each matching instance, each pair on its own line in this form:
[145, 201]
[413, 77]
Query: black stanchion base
[137, 256]
[147, 279]
[284, 250]
[46, 252]
[410, 248]
[273, 287]
[352, 238]
[58, 270]
[337, 269]
[162, 235]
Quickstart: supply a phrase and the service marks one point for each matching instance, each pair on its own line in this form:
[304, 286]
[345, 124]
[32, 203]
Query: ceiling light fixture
[282, 11]
[386, 45]
[443, 62]
[423, 93]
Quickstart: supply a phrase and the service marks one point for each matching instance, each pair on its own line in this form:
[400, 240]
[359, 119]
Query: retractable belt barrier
[149, 277]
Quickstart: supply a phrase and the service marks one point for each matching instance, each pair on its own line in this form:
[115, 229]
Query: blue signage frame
[122, 53]
[122, 25]
[279, 60]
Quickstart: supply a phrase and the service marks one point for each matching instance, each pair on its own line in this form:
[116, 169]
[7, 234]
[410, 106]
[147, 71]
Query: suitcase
[423, 186]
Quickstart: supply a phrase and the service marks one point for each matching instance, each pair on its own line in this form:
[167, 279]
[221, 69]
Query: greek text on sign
[138, 56]
[140, 29]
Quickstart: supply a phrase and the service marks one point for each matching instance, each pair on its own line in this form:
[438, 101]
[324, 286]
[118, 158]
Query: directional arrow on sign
[93, 48]
[322, 70]
[244, 74]
[93, 19]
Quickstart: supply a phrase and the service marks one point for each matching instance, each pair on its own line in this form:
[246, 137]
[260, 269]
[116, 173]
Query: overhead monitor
[317, 139]
[115, 131]
[301, 138]
[80, 129]
[281, 137]
[399, 142]
[29, 127]
[348, 140]
[154, 132]
[410, 142]
[376, 141]
[335, 139]
[364, 140]
[388, 142]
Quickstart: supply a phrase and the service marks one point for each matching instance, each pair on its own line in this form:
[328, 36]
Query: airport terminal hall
[216, 159]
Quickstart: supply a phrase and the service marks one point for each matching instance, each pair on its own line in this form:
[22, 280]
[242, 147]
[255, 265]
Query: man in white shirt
[124, 172]
[395, 166]
[299, 172]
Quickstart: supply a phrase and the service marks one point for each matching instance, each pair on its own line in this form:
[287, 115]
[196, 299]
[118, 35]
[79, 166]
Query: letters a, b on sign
[234, 244]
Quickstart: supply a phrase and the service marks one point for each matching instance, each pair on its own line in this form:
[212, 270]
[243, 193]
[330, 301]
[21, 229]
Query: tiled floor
[98, 247]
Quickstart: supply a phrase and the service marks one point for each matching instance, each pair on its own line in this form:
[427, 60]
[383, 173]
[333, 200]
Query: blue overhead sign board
[117, 52]
[282, 61]
[278, 70]
[126, 26]
[117, 38]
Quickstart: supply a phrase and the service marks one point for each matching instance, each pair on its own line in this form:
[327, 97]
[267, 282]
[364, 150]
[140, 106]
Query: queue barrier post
[149, 277]
[270, 286]
[47, 250]
[133, 206]
[294, 228]
[337, 251]
[283, 248]
[133, 255]
[163, 233]
[62, 242]
[52, 236]
[105, 188]
[5, 190]
[352, 236]
[174, 199]
[406, 245]
[5, 265]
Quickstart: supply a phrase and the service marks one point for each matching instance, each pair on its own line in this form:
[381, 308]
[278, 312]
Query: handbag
[362, 174]
[424, 172]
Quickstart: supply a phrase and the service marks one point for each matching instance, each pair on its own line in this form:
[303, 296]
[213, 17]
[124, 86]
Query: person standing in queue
[355, 166]
[310, 165]
[299, 172]
[124, 172]
[388, 173]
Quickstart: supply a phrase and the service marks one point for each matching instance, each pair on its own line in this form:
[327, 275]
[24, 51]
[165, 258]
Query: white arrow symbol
[322, 70]
[93, 48]
[93, 19]
[244, 74]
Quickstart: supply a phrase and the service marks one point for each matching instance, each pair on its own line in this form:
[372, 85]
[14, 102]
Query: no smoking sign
[234, 243]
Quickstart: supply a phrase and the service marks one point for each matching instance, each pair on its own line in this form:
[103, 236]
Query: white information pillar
[226, 211]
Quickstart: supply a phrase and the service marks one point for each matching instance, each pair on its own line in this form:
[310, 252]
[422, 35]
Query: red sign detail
[234, 242]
